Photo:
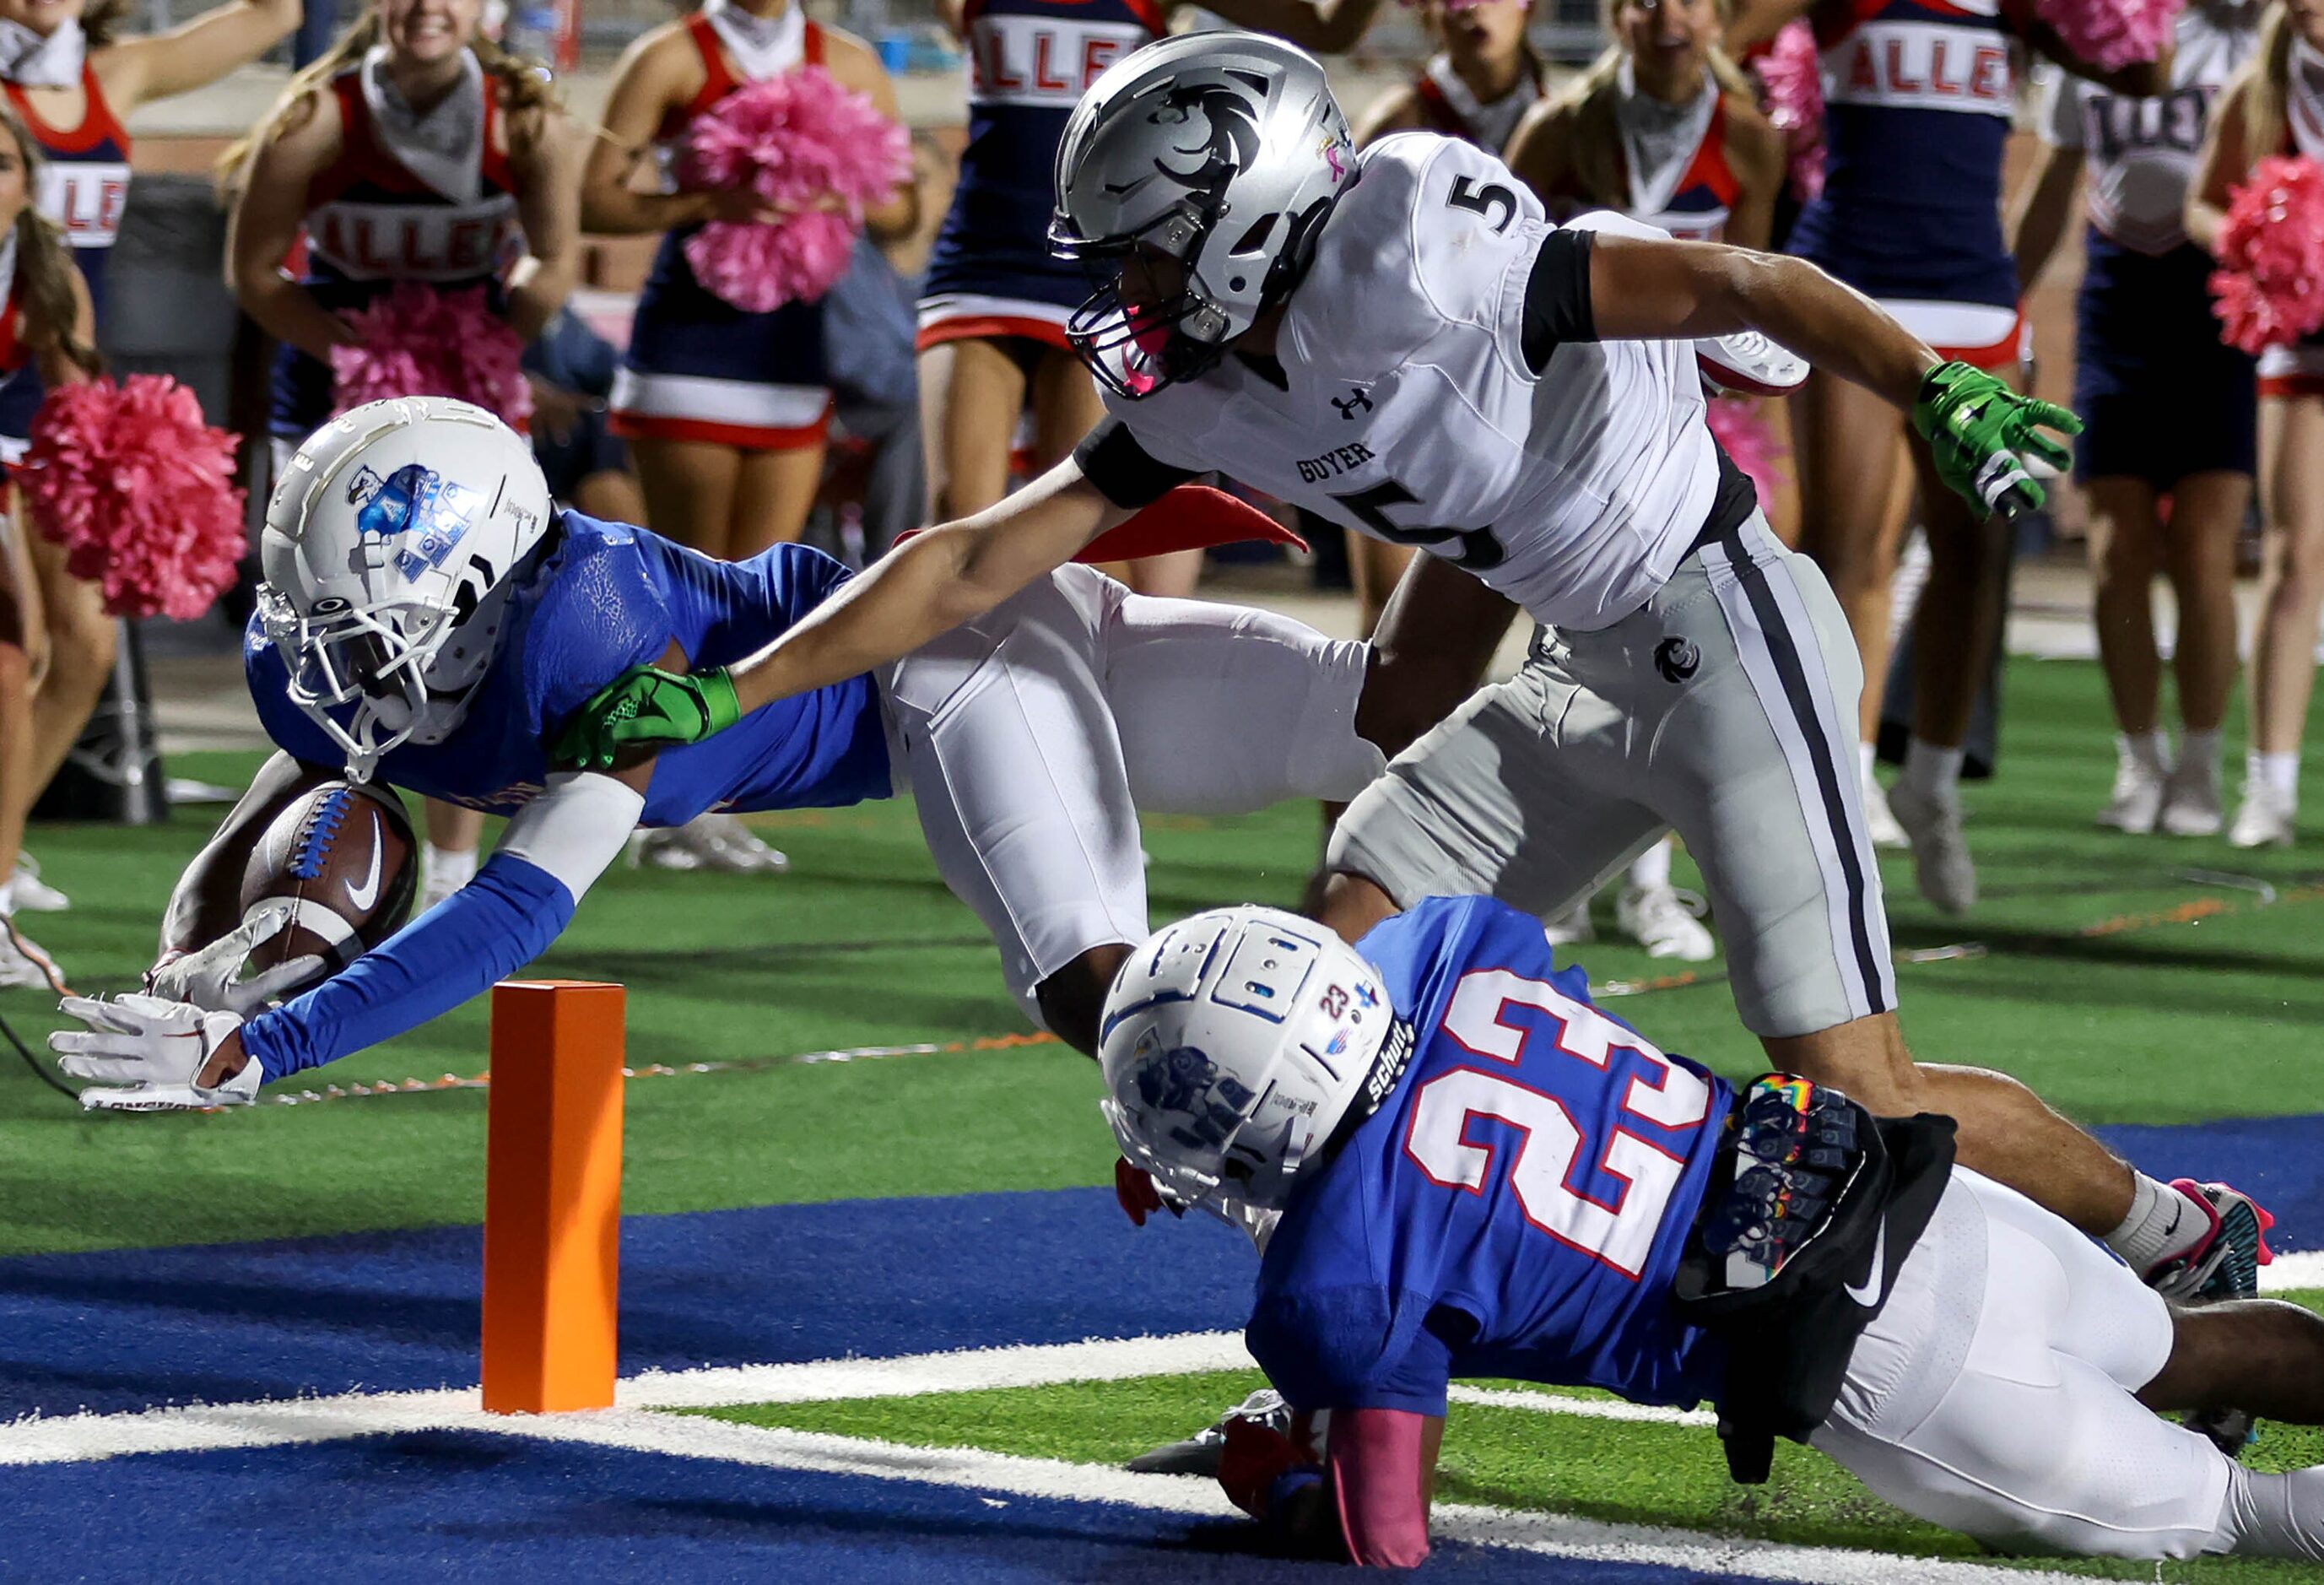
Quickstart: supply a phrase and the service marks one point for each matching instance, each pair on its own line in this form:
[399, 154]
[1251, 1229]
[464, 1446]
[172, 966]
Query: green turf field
[2096, 967]
[860, 946]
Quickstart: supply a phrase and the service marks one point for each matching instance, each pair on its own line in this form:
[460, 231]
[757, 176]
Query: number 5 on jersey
[1541, 1167]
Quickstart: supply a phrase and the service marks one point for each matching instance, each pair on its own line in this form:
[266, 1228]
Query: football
[344, 860]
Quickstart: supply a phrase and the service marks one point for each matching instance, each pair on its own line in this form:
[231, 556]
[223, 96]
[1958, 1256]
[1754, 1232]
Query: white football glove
[146, 1053]
[207, 977]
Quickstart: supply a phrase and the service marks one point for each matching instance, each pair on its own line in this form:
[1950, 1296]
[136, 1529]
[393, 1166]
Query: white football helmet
[1224, 151]
[389, 548]
[1234, 1044]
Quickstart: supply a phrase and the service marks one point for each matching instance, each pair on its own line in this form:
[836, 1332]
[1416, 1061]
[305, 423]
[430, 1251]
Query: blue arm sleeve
[490, 928]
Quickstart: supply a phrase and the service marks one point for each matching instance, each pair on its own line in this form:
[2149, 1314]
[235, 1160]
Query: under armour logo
[1354, 402]
[1676, 658]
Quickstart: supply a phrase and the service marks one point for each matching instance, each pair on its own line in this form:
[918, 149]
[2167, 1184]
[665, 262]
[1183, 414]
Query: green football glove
[646, 705]
[1982, 431]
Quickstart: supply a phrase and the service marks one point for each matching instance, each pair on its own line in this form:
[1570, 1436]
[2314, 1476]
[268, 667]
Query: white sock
[1869, 754]
[1933, 773]
[8, 894]
[447, 868]
[2150, 750]
[2162, 1223]
[1652, 867]
[2199, 748]
[2279, 773]
[2272, 1515]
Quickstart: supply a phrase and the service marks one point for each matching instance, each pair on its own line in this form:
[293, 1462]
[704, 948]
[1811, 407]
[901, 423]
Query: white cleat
[2137, 800]
[1749, 364]
[34, 895]
[1942, 865]
[1664, 920]
[709, 841]
[2191, 802]
[1569, 928]
[1879, 824]
[24, 966]
[2265, 821]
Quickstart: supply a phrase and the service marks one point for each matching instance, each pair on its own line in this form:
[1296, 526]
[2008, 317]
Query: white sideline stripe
[199, 1427]
[1554, 1403]
[1548, 1534]
[2296, 1268]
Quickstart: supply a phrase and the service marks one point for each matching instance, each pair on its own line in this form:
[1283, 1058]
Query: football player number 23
[1542, 1164]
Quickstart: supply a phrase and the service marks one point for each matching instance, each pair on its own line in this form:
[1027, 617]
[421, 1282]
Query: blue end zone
[462, 1505]
[130, 1329]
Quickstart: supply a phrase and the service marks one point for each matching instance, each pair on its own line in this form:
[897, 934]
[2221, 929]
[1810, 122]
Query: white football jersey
[1412, 417]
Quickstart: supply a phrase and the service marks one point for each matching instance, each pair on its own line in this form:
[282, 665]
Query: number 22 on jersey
[1543, 1163]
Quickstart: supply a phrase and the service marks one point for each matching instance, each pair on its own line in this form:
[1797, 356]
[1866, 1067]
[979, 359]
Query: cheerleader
[1918, 100]
[724, 409]
[994, 304]
[2142, 325]
[415, 150]
[73, 78]
[46, 333]
[2275, 105]
[1665, 128]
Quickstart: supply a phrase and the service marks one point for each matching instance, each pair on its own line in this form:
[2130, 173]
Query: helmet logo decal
[1224, 138]
[1332, 157]
[1185, 1081]
[417, 501]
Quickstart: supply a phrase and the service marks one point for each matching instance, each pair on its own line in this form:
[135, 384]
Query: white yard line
[2297, 1268]
[1556, 1403]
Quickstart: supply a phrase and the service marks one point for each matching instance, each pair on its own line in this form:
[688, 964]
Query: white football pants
[1993, 1394]
[1032, 737]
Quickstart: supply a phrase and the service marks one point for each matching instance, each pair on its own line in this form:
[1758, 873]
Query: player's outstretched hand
[1981, 432]
[210, 979]
[147, 1054]
[646, 705]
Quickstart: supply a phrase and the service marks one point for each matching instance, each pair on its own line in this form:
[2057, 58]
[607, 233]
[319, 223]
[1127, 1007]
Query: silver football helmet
[390, 545]
[1235, 1046]
[1220, 151]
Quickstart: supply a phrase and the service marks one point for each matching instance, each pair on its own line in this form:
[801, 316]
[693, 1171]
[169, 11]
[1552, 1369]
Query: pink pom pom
[2111, 33]
[2270, 282]
[139, 491]
[422, 340]
[800, 141]
[1742, 427]
[1792, 74]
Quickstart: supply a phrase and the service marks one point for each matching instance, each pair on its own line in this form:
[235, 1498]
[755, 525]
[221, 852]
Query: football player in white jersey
[1400, 341]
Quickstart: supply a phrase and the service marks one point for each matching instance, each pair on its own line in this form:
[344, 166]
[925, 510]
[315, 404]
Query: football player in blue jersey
[431, 621]
[1470, 1170]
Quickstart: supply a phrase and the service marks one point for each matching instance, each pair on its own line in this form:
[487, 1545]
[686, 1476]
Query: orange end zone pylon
[552, 1196]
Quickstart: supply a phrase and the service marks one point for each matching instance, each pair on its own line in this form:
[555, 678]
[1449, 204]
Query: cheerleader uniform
[699, 368]
[1674, 158]
[1452, 110]
[1918, 97]
[2298, 369]
[990, 275]
[2142, 320]
[84, 186]
[425, 198]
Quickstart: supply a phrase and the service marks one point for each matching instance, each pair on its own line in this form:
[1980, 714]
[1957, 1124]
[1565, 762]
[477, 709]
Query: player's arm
[928, 585]
[1436, 638]
[546, 159]
[1328, 27]
[1609, 283]
[2225, 161]
[158, 1054]
[194, 53]
[269, 209]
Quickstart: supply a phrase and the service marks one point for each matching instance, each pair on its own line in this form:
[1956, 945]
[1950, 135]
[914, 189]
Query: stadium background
[843, 1143]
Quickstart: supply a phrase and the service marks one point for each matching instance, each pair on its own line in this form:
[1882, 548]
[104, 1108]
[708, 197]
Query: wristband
[721, 708]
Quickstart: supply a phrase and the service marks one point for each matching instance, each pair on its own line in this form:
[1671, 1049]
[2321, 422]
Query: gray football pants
[1724, 709]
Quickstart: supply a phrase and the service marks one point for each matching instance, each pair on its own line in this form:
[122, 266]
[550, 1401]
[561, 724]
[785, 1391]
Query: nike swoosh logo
[1867, 1291]
[364, 895]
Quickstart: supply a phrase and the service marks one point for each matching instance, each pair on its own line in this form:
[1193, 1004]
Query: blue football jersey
[606, 598]
[1518, 1204]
